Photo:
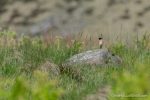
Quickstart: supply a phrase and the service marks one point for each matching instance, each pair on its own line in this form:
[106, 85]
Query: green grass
[21, 57]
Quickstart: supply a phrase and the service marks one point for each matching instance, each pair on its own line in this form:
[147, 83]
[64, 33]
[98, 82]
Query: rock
[50, 67]
[116, 59]
[94, 57]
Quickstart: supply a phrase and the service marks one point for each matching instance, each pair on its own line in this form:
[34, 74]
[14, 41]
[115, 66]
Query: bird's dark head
[100, 38]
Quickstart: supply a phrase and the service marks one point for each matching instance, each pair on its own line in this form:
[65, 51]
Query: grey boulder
[94, 57]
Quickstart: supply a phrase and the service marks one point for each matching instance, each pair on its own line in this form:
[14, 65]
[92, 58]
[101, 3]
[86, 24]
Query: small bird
[100, 42]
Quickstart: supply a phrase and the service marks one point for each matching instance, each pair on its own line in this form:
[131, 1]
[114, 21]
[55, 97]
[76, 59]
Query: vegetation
[20, 78]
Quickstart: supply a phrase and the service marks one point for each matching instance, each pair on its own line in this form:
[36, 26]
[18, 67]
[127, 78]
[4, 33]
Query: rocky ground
[121, 18]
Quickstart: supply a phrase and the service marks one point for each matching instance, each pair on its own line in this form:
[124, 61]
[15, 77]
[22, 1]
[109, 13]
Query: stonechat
[100, 42]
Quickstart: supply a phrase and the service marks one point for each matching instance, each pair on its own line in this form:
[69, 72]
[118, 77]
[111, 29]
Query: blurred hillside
[110, 17]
